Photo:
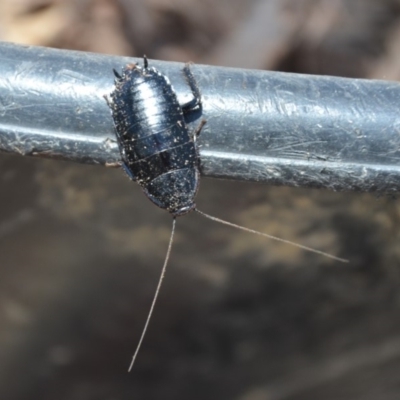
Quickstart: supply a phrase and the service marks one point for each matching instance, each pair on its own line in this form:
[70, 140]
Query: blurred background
[238, 317]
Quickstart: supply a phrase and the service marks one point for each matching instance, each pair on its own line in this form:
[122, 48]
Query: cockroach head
[183, 210]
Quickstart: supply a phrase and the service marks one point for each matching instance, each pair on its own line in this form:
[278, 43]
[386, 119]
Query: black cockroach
[157, 149]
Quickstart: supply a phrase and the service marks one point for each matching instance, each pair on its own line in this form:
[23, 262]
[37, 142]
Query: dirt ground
[238, 317]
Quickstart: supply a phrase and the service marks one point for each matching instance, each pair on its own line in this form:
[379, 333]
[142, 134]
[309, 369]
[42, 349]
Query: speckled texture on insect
[157, 149]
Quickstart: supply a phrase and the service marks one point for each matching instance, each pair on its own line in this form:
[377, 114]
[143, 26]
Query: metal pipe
[271, 127]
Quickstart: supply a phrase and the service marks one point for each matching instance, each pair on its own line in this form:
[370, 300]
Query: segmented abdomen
[152, 132]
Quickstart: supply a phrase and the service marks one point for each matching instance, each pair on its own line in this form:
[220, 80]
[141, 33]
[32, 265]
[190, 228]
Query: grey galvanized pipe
[270, 127]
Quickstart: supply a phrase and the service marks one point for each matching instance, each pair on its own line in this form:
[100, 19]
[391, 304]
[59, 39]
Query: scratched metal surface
[270, 127]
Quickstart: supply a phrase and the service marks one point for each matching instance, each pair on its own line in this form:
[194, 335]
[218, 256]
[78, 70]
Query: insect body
[157, 149]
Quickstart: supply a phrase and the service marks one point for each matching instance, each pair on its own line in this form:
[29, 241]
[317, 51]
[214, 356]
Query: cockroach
[158, 150]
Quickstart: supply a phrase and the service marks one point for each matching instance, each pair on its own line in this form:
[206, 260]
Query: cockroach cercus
[157, 149]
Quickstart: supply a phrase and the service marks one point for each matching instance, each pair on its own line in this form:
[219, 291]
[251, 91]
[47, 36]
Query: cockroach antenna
[212, 218]
[155, 295]
[278, 239]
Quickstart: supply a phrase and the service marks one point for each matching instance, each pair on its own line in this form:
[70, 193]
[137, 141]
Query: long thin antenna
[155, 295]
[278, 239]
